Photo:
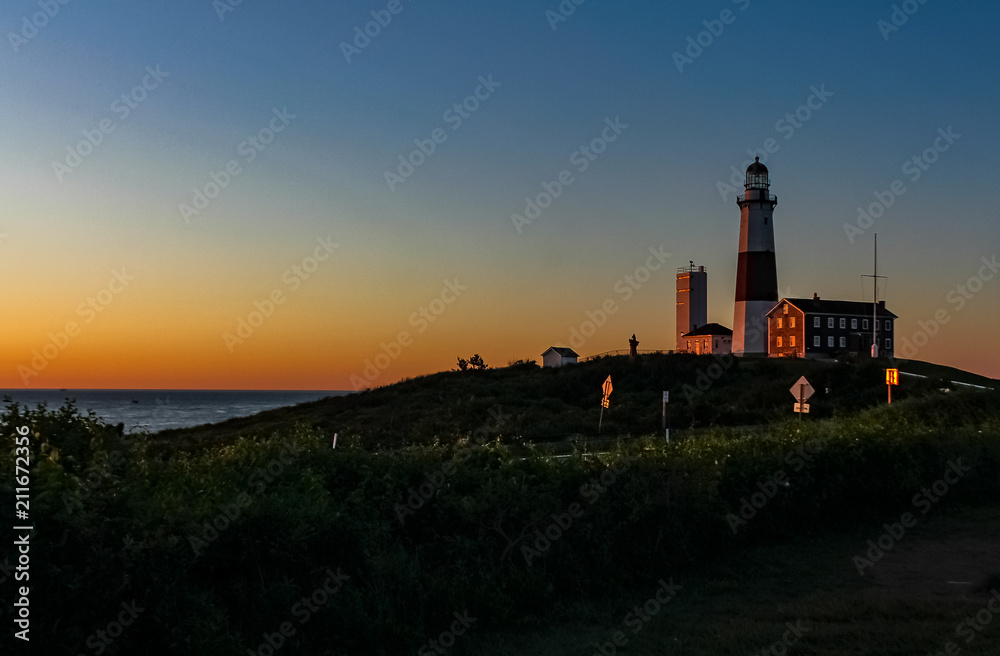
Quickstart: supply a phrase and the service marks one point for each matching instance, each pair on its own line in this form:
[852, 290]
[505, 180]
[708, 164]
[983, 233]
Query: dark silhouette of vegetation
[475, 363]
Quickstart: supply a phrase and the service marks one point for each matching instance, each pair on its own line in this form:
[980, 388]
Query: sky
[307, 195]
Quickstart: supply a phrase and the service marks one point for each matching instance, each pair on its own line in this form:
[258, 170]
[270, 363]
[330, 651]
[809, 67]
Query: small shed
[557, 356]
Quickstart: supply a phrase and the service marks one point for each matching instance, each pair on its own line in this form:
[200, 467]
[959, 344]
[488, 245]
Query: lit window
[779, 341]
[791, 322]
[785, 308]
[816, 341]
[780, 322]
[791, 340]
[843, 342]
[854, 324]
[843, 322]
[829, 323]
[816, 323]
[829, 340]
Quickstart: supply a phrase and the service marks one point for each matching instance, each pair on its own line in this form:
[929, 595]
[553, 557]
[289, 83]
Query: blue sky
[655, 185]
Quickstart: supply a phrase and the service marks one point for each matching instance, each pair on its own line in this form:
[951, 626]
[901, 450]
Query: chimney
[881, 304]
[815, 296]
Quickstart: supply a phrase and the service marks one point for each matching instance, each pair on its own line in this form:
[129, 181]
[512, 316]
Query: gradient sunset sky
[105, 222]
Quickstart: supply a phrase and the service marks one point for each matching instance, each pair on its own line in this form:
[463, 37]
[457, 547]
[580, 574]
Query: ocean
[157, 410]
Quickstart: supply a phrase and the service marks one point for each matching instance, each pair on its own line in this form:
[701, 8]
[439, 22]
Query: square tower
[692, 301]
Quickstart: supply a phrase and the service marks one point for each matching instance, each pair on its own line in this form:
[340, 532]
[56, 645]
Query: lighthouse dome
[757, 175]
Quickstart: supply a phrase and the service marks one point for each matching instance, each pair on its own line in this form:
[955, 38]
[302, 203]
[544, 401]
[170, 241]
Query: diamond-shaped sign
[802, 389]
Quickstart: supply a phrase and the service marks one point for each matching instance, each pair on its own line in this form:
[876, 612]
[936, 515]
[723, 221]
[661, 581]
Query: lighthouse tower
[756, 273]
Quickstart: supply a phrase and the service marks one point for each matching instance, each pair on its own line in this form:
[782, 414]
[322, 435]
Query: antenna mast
[875, 278]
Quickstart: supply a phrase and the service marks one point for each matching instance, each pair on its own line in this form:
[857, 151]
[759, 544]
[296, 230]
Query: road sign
[802, 390]
[802, 407]
[607, 386]
[892, 376]
[666, 397]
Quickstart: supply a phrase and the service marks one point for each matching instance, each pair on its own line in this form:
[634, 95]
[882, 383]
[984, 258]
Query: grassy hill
[525, 403]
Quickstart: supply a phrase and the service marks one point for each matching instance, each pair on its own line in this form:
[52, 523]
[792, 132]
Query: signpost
[666, 428]
[802, 390]
[606, 387]
[891, 378]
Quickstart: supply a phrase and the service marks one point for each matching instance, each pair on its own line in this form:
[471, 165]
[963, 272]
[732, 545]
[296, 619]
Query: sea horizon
[155, 410]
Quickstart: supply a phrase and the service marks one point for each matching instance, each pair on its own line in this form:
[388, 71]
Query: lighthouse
[756, 272]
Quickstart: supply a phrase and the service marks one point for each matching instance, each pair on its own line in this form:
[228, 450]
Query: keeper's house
[814, 328]
[710, 338]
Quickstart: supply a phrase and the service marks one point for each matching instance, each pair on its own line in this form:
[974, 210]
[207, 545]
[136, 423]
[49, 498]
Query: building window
[843, 322]
[791, 340]
[864, 325]
[785, 308]
[888, 326]
[854, 324]
[888, 343]
[829, 322]
[817, 341]
[791, 322]
[843, 342]
[779, 341]
[829, 340]
[779, 322]
[815, 322]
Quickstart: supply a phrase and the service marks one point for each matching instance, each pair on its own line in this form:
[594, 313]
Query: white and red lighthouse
[756, 273]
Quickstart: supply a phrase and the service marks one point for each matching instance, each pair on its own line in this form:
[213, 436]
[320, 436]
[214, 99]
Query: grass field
[913, 601]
